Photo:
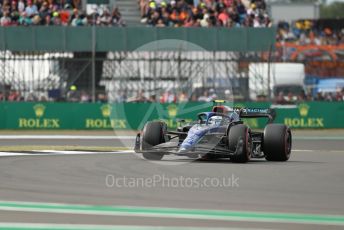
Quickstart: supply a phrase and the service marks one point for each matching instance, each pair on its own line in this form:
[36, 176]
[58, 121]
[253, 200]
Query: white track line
[302, 150]
[171, 215]
[57, 152]
[5, 154]
[69, 152]
[317, 150]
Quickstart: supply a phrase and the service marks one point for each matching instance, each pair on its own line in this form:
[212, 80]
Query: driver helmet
[215, 120]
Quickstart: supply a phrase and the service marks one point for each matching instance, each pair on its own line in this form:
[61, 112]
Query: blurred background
[84, 51]
[79, 79]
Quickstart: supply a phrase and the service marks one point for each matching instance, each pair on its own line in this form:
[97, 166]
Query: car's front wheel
[153, 134]
[240, 142]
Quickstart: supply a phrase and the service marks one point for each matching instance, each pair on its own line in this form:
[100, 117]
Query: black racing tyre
[240, 142]
[277, 142]
[153, 134]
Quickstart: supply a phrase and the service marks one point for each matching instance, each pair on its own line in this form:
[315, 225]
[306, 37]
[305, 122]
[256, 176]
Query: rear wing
[256, 113]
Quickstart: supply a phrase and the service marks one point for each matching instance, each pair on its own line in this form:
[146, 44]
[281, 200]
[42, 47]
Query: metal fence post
[93, 58]
[269, 74]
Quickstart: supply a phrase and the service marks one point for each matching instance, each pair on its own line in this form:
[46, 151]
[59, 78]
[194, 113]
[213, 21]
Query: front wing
[172, 147]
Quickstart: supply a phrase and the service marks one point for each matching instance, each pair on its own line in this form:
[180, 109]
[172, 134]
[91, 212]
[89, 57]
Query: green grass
[61, 148]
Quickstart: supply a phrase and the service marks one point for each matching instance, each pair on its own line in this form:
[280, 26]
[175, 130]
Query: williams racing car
[220, 133]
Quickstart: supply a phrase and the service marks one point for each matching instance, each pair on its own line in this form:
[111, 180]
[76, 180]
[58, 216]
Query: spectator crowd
[170, 96]
[55, 12]
[208, 95]
[290, 98]
[171, 13]
[204, 13]
[311, 32]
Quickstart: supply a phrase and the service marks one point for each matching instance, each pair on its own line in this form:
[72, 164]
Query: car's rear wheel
[153, 134]
[240, 142]
[277, 142]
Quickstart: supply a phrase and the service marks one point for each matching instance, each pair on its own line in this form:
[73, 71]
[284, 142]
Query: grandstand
[242, 13]
[71, 71]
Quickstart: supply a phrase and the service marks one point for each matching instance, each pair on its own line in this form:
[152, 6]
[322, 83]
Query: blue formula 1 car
[220, 133]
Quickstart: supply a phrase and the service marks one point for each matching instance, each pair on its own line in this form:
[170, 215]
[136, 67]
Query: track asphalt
[104, 190]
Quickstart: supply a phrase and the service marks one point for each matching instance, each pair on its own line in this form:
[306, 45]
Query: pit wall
[128, 116]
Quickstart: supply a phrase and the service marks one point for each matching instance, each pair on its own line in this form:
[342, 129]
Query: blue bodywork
[210, 134]
[198, 131]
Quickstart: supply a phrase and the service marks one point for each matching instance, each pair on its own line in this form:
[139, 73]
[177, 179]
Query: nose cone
[183, 151]
[195, 134]
[188, 144]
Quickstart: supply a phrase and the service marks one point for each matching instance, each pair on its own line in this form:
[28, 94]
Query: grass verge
[62, 148]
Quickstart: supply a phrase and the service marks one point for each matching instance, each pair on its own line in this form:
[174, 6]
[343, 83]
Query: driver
[215, 120]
